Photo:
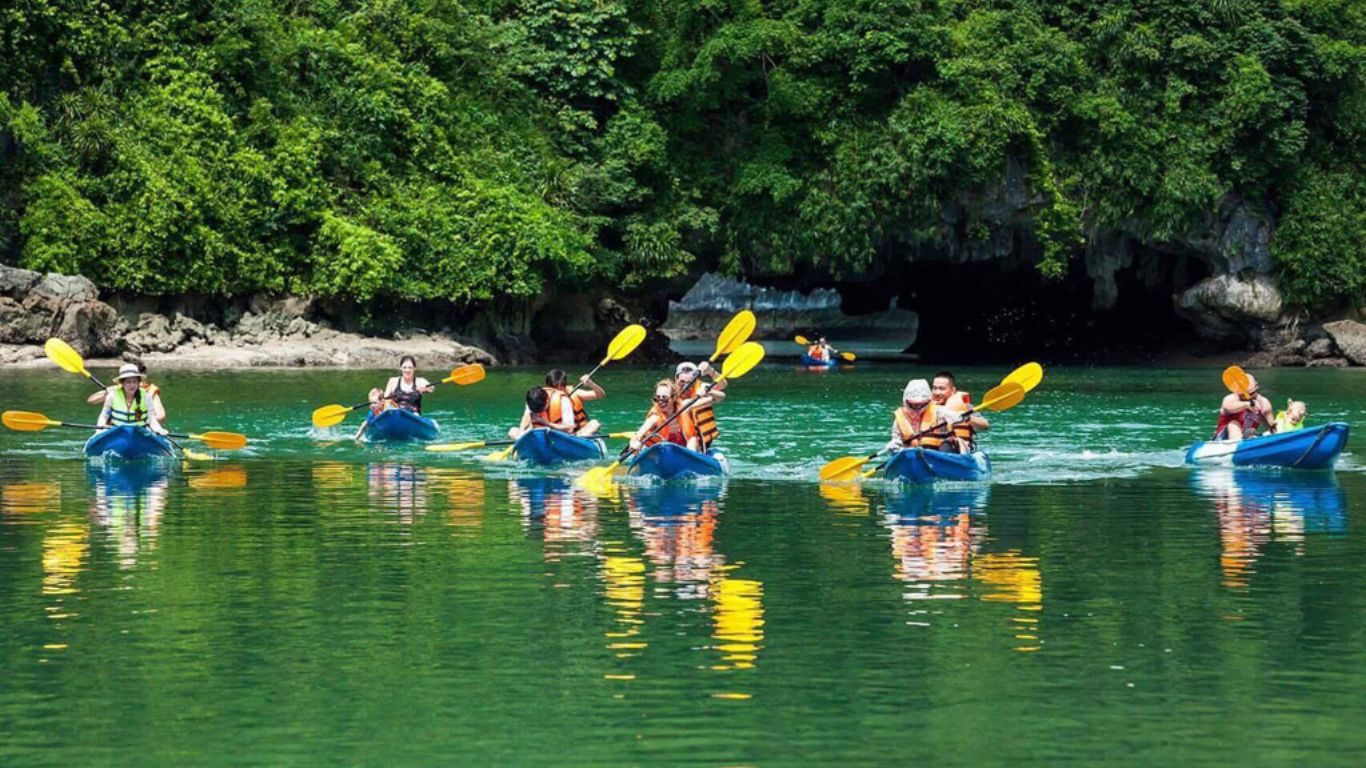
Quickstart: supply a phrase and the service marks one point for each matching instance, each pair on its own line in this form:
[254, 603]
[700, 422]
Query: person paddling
[920, 422]
[680, 431]
[822, 351]
[152, 392]
[561, 411]
[1241, 415]
[128, 404]
[689, 385]
[402, 391]
[962, 437]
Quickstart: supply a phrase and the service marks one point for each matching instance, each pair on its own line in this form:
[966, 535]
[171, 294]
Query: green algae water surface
[314, 602]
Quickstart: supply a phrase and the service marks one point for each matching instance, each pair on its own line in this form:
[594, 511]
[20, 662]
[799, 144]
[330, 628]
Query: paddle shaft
[111, 426]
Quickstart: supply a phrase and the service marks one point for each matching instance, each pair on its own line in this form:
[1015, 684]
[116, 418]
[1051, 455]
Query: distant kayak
[547, 447]
[921, 467]
[669, 460]
[127, 442]
[398, 425]
[812, 362]
[1310, 448]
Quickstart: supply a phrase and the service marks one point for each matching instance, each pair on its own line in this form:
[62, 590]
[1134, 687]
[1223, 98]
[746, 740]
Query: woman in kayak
[128, 404]
[402, 391]
[1241, 416]
[920, 422]
[821, 351]
[151, 390]
[681, 431]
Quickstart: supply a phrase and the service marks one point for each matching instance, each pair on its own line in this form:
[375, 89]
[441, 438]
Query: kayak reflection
[566, 517]
[1256, 508]
[934, 536]
[130, 498]
[678, 523]
[398, 487]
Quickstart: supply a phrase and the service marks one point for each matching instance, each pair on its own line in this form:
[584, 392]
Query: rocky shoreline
[269, 333]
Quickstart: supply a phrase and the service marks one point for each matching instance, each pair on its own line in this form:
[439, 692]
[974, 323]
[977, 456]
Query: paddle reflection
[27, 498]
[1258, 507]
[129, 501]
[465, 493]
[566, 517]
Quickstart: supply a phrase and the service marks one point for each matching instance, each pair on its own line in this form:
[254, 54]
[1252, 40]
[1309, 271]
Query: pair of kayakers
[132, 402]
[936, 416]
[556, 406]
[1243, 414]
[402, 391]
[681, 410]
[821, 351]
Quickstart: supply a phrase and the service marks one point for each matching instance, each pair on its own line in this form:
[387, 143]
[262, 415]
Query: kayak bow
[1311, 448]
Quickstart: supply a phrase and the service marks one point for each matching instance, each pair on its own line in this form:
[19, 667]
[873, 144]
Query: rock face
[713, 300]
[271, 332]
[1350, 337]
[1231, 306]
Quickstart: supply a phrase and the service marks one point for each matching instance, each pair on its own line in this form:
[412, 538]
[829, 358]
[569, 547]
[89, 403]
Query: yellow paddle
[1027, 376]
[27, 421]
[805, 342]
[450, 447]
[68, 359]
[740, 362]
[1236, 379]
[736, 332]
[1004, 396]
[332, 415]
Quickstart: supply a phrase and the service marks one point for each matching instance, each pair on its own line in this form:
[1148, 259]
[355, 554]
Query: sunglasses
[659, 399]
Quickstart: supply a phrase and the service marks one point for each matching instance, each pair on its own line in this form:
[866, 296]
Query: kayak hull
[127, 442]
[398, 425]
[921, 467]
[667, 461]
[547, 447]
[811, 362]
[1316, 448]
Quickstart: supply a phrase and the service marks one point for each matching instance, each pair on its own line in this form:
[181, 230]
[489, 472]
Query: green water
[312, 602]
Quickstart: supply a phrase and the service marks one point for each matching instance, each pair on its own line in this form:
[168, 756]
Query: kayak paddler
[561, 411]
[920, 422]
[681, 431]
[1242, 415]
[946, 395]
[822, 351]
[151, 390]
[402, 391]
[128, 403]
[688, 383]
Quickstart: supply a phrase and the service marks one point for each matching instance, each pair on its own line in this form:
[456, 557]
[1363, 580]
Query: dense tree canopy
[471, 150]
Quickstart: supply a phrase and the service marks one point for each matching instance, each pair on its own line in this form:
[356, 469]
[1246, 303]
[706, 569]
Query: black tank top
[408, 399]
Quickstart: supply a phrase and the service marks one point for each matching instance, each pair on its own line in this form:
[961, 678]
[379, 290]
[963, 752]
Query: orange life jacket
[683, 428]
[555, 408]
[963, 430]
[907, 425]
[703, 417]
[816, 352]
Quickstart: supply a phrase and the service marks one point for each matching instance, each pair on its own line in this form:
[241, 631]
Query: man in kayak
[151, 390]
[680, 431]
[952, 404]
[128, 403]
[402, 391]
[1241, 415]
[688, 382]
[561, 410]
[920, 421]
[822, 351]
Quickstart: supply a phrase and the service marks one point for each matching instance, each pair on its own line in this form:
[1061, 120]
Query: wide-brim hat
[128, 371]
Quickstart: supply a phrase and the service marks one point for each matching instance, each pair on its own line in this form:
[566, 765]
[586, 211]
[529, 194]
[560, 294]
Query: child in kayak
[1241, 415]
[560, 410]
[151, 390]
[1292, 418]
[680, 431]
[128, 404]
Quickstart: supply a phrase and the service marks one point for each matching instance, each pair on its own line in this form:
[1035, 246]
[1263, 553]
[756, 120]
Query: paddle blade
[742, 360]
[65, 357]
[223, 441]
[597, 475]
[329, 416]
[842, 469]
[502, 455]
[625, 343]
[27, 421]
[1027, 376]
[802, 340]
[850, 356]
[1002, 397]
[465, 375]
[449, 447]
[735, 333]
[1236, 380]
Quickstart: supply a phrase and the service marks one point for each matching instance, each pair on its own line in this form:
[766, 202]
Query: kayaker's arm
[644, 430]
[98, 398]
[424, 386]
[589, 390]
[107, 412]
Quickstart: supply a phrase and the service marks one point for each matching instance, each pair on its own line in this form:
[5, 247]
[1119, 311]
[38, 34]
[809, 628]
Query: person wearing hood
[128, 404]
[920, 422]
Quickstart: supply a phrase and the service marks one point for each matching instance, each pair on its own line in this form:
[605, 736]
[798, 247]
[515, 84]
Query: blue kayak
[811, 362]
[1310, 448]
[922, 467]
[398, 425]
[667, 461]
[546, 446]
[127, 442]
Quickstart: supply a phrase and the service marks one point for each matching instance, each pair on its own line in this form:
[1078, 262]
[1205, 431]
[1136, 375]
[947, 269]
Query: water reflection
[464, 496]
[565, 516]
[397, 487]
[934, 536]
[26, 498]
[1257, 507]
[129, 501]
[677, 523]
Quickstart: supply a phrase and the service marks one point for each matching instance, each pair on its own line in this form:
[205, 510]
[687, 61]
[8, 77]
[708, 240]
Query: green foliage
[481, 151]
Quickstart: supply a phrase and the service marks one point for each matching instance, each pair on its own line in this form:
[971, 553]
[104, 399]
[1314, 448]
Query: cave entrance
[989, 312]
